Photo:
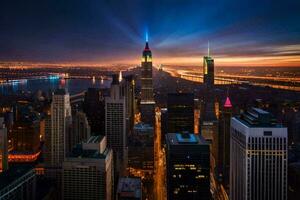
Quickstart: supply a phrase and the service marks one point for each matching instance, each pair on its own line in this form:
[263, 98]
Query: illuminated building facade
[147, 106]
[258, 157]
[60, 119]
[208, 70]
[188, 166]
[88, 171]
[3, 146]
[180, 112]
[25, 138]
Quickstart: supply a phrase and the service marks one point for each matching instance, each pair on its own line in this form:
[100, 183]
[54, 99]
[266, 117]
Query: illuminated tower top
[227, 103]
[147, 55]
[208, 69]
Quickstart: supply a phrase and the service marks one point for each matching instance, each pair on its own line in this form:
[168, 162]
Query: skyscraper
[209, 126]
[60, 120]
[224, 141]
[3, 146]
[180, 112]
[258, 157]
[94, 107]
[128, 91]
[208, 70]
[208, 119]
[88, 171]
[80, 131]
[115, 123]
[147, 105]
[188, 167]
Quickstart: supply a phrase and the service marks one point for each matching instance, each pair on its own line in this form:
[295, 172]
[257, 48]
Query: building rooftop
[143, 127]
[61, 91]
[209, 58]
[184, 139]
[12, 174]
[84, 150]
[256, 117]
[95, 139]
[130, 188]
[78, 152]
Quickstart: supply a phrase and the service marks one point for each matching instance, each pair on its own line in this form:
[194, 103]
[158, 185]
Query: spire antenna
[208, 48]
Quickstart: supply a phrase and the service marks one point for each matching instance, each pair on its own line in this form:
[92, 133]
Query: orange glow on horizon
[226, 61]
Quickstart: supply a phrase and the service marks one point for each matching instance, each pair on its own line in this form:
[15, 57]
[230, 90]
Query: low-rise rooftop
[184, 139]
[256, 117]
[130, 188]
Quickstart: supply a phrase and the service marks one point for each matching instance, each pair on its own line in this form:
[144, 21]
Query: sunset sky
[240, 32]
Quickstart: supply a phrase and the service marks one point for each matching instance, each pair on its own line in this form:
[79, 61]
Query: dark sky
[100, 31]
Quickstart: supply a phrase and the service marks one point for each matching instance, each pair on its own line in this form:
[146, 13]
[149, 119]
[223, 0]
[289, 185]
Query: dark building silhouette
[18, 182]
[180, 112]
[188, 167]
[128, 91]
[94, 107]
[209, 123]
[224, 141]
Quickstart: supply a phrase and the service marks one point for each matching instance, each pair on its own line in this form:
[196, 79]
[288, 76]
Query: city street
[159, 160]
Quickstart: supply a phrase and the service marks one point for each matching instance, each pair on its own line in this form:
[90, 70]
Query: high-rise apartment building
[60, 120]
[258, 157]
[188, 166]
[115, 123]
[88, 172]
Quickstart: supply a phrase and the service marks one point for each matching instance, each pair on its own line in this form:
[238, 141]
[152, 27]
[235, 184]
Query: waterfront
[274, 78]
[51, 83]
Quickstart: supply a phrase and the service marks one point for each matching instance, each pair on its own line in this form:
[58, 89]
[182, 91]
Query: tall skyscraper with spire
[146, 78]
[208, 70]
[147, 101]
[224, 140]
[209, 123]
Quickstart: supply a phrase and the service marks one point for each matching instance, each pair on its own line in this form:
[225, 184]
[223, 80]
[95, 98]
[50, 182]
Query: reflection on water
[74, 86]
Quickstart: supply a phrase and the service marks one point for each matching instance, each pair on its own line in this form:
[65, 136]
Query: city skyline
[97, 33]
